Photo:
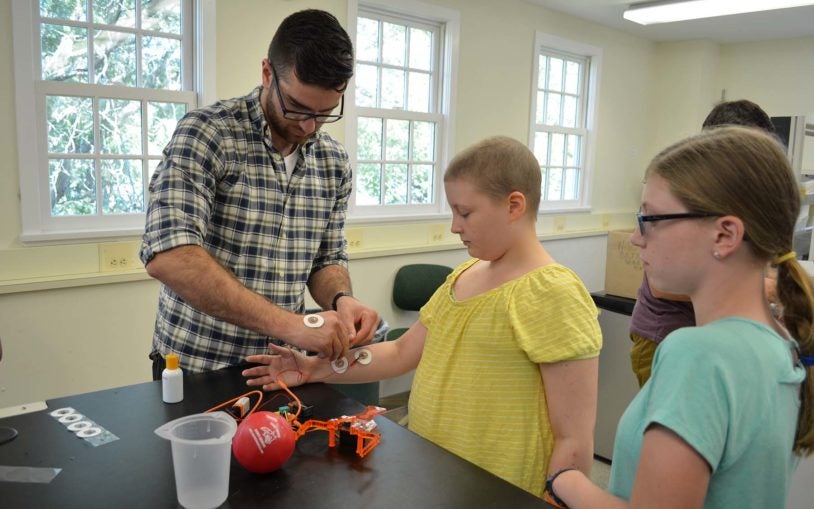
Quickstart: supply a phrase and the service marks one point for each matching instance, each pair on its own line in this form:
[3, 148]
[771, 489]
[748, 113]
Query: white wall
[778, 75]
[802, 490]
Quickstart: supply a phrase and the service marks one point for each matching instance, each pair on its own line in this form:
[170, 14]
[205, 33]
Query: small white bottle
[172, 380]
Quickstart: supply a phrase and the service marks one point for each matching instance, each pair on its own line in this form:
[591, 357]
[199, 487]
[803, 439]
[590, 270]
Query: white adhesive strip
[28, 474]
[83, 427]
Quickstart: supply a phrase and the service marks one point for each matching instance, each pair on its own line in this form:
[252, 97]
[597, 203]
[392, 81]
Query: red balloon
[263, 443]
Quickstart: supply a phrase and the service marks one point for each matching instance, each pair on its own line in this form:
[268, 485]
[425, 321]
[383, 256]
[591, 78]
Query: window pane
[421, 183]
[557, 149]
[423, 141]
[161, 15]
[570, 184]
[120, 126]
[395, 184]
[555, 74]
[70, 124]
[370, 181]
[554, 184]
[369, 138]
[394, 43]
[541, 148]
[367, 40]
[75, 10]
[572, 157]
[420, 49]
[122, 186]
[64, 53]
[161, 61]
[541, 71]
[114, 58]
[570, 108]
[398, 140]
[418, 98]
[72, 186]
[115, 12]
[540, 116]
[161, 121]
[392, 89]
[572, 77]
[544, 183]
[552, 113]
[367, 85]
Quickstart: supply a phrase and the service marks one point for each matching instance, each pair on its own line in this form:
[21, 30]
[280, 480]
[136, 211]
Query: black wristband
[549, 485]
[339, 296]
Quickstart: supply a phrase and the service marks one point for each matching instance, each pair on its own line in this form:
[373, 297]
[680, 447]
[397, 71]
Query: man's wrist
[338, 296]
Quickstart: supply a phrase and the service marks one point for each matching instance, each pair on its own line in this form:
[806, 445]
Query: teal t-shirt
[730, 389]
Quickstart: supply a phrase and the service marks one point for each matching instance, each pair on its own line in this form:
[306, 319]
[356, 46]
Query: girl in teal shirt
[728, 410]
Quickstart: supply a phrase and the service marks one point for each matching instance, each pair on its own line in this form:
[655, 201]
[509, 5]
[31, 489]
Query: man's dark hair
[316, 47]
[742, 112]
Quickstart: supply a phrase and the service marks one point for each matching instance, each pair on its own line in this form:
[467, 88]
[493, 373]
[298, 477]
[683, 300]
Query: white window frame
[590, 106]
[38, 225]
[444, 135]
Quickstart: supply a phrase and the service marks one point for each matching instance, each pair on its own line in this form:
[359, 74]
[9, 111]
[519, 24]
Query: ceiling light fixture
[666, 12]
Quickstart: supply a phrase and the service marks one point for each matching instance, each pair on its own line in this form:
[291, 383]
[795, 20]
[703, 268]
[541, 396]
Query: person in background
[728, 411]
[656, 313]
[247, 210]
[506, 350]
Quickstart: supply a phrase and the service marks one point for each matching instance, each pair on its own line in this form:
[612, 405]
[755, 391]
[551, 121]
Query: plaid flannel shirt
[223, 186]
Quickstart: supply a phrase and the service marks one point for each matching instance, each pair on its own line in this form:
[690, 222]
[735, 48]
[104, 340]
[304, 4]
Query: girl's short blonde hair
[498, 166]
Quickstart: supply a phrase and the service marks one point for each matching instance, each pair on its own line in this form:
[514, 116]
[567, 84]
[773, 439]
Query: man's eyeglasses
[304, 115]
[651, 218]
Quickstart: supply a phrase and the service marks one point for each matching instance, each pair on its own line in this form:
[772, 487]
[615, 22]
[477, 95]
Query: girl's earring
[717, 255]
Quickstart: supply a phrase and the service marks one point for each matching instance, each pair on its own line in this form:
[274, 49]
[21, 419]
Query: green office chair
[413, 287]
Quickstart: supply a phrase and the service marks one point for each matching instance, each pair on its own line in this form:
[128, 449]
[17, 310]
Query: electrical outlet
[437, 233]
[355, 238]
[559, 224]
[116, 256]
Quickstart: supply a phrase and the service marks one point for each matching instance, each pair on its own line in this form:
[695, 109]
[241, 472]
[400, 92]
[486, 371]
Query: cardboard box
[623, 268]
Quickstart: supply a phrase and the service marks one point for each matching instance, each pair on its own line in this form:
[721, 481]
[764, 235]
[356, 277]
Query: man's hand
[331, 339]
[360, 319]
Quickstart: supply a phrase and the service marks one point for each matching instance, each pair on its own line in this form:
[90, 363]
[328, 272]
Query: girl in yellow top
[505, 350]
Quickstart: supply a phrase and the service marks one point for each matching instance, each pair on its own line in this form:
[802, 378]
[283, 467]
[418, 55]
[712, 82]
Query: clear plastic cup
[201, 457]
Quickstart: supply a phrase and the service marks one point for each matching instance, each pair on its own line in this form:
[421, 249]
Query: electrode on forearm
[361, 355]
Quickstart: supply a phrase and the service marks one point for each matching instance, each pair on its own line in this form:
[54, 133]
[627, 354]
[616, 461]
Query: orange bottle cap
[172, 360]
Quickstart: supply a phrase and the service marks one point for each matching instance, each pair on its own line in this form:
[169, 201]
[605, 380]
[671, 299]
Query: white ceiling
[777, 24]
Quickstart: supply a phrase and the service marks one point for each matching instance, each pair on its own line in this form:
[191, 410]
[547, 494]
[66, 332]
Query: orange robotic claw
[360, 425]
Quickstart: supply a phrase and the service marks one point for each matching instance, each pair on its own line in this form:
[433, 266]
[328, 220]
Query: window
[562, 124]
[100, 87]
[400, 118]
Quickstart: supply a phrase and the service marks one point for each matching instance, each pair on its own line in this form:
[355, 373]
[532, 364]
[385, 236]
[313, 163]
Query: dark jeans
[158, 364]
